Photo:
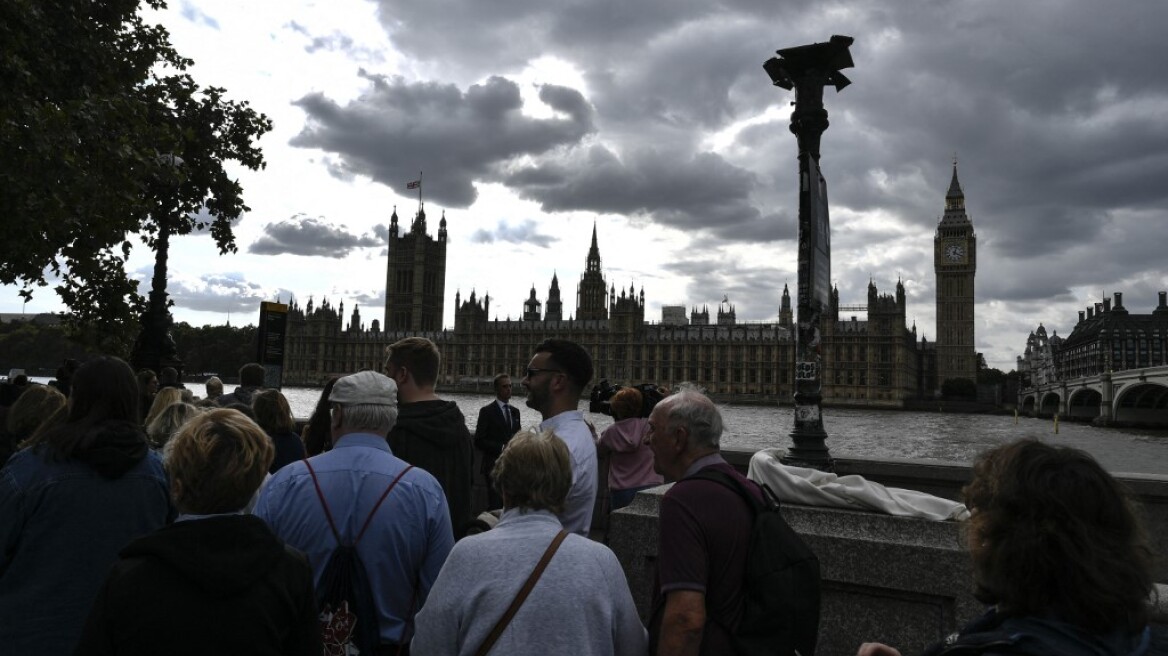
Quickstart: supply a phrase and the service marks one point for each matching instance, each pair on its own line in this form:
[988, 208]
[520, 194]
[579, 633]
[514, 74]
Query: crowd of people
[138, 518]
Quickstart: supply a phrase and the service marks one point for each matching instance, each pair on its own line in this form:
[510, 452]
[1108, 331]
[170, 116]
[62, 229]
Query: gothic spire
[955, 201]
[954, 185]
[593, 261]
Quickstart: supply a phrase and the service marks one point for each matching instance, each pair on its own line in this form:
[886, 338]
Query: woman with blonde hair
[216, 581]
[581, 604]
[168, 422]
[35, 405]
[165, 397]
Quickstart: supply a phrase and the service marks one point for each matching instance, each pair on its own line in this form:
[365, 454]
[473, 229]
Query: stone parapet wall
[945, 479]
[899, 580]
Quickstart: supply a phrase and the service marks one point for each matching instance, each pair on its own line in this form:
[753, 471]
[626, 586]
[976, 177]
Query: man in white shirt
[557, 375]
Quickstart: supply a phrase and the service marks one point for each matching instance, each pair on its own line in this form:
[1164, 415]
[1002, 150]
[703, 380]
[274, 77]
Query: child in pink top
[630, 462]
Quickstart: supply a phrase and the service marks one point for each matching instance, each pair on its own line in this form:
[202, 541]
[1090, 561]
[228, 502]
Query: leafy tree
[991, 376]
[40, 348]
[104, 136]
[36, 348]
[215, 349]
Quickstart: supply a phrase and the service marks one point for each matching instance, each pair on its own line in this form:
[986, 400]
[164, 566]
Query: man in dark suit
[498, 421]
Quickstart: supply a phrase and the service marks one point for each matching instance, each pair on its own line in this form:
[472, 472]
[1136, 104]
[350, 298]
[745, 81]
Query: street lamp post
[807, 69]
[154, 347]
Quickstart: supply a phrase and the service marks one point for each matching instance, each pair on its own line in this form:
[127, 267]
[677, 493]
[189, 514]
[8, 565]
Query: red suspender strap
[320, 495]
[384, 494]
[328, 514]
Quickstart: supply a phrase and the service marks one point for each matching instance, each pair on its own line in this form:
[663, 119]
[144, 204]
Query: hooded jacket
[62, 522]
[218, 585]
[995, 634]
[432, 435]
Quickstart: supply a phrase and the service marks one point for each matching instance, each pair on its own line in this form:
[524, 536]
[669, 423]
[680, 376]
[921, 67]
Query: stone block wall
[903, 581]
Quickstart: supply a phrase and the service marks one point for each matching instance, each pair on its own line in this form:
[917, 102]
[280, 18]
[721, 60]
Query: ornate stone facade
[875, 361]
[1106, 339]
[415, 276]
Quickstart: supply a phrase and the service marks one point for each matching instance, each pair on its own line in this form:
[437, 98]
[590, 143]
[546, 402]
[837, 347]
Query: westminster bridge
[1130, 397]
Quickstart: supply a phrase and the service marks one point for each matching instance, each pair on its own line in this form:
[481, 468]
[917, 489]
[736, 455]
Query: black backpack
[348, 613]
[781, 610]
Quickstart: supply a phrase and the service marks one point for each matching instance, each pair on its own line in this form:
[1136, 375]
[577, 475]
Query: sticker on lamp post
[807, 413]
[806, 370]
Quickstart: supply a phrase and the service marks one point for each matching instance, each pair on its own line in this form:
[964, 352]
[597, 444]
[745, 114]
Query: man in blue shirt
[409, 536]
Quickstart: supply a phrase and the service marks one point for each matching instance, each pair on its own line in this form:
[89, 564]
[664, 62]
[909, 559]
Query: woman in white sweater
[580, 604]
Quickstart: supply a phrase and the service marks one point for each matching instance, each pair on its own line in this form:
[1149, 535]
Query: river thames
[895, 434]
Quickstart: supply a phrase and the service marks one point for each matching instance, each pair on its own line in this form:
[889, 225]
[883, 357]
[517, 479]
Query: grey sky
[668, 133]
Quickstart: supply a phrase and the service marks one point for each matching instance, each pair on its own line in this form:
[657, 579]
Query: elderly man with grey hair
[214, 388]
[705, 530]
[408, 535]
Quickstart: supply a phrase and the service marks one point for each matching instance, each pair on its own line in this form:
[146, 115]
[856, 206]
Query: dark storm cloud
[1054, 109]
[302, 235]
[699, 191]
[464, 30]
[457, 138]
[756, 292]
[526, 232]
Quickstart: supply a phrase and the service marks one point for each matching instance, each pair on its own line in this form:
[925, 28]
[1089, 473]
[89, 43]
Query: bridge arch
[1050, 404]
[1084, 403]
[1142, 403]
[1027, 407]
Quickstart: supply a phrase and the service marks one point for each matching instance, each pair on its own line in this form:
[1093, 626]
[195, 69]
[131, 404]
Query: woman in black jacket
[216, 581]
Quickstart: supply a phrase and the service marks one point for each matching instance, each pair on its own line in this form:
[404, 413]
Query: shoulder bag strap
[485, 648]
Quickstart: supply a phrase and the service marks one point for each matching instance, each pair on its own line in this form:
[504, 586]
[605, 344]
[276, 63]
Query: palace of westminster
[878, 361]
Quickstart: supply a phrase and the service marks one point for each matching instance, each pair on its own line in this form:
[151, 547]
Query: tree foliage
[37, 348]
[40, 348]
[215, 349]
[958, 388]
[105, 136]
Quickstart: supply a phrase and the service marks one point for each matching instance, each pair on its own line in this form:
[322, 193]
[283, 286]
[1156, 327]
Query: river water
[951, 437]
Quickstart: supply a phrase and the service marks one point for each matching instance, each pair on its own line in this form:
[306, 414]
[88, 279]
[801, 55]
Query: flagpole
[419, 190]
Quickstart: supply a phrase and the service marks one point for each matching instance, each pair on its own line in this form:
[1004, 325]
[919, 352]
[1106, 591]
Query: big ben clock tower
[955, 263]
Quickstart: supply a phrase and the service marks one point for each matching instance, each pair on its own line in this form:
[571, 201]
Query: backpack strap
[485, 648]
[329, 515]
[726, 480]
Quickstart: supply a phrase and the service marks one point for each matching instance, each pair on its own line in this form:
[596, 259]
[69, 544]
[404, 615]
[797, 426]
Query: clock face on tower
[955, 252]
